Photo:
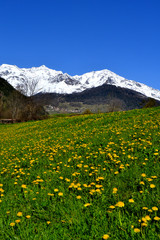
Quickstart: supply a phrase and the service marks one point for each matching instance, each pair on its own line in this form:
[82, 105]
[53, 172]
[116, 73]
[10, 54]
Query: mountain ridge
[52, 81]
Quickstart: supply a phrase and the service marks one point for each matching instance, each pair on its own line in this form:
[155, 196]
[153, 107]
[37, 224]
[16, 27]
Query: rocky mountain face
[46, 80]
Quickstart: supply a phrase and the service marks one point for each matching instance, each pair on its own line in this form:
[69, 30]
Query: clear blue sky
[78, 36]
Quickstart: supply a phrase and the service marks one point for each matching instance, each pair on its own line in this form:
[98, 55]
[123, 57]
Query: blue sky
[78, 36]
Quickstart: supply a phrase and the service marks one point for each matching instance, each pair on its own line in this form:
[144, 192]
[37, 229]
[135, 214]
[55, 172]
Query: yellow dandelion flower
[48, 222]
[131, 200]
[115, 190]
[17, 221]
[137, 230]
[156, 218]
[154, 208]
[78, 197]
[147, 217]
[19, 214]
[150, 210]
[142, 183]
[28, 216]
[152, 186]
[56, 190]
[12, 224]
[105, 236]
[50, 194]
[87, 204]
[145, 208]
[143, 175]
[144, 219]
[144, 224]
[60, 194]
[120, 204]
[24, 186]
[112, 207]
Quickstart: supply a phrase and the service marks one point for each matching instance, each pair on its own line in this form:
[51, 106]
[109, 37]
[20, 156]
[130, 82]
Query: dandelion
[147, 217]
[152, 186]
[48, 222]
[136, 230]
[23, 186]
[19, 214]
[28, 216]
[87, 204]
[78, 197]
[131, 200]
[50, 194]
[156, 218]
[143, 175]
[120, 204]
[12, 224]
[115, 190]
[154, 208]
[60, 194]
[56, 190]
[105, 236]
[145, 208]
[144, 224]
[142, 183]
[112, 207]
[17, 221]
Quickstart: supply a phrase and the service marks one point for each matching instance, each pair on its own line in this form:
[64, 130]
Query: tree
[116, 104]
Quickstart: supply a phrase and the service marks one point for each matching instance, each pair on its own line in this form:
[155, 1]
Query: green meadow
[81, 177]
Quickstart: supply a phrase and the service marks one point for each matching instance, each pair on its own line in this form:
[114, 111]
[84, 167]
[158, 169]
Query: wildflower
[87, 204]
[18, 220]
[19, 214]
[136, 230]
[142, 183]
[120, 204]
[12, 224]
[50, 194]
[78, 197]
[143, 175]
[152, 186]
[154, 208]
[145, 208]
[112, 207]
[144, 224]
[131, 200]
[48, 222]
[56, 190]
[60, 194]
[105, 236]
[147, 217]
[115, 190]
[28, 216]
[156, 218]
[23, 186]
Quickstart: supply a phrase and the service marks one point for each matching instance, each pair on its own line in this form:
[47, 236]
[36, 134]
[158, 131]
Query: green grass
[104, 159]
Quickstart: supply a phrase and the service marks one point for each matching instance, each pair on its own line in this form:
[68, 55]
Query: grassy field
[81, 177]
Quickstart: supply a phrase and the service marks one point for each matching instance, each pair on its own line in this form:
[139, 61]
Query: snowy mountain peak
[52, 81]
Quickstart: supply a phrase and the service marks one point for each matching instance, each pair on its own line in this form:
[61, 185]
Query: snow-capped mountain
[50, 81]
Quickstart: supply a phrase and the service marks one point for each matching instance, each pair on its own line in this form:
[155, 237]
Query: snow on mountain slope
[51, 81]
